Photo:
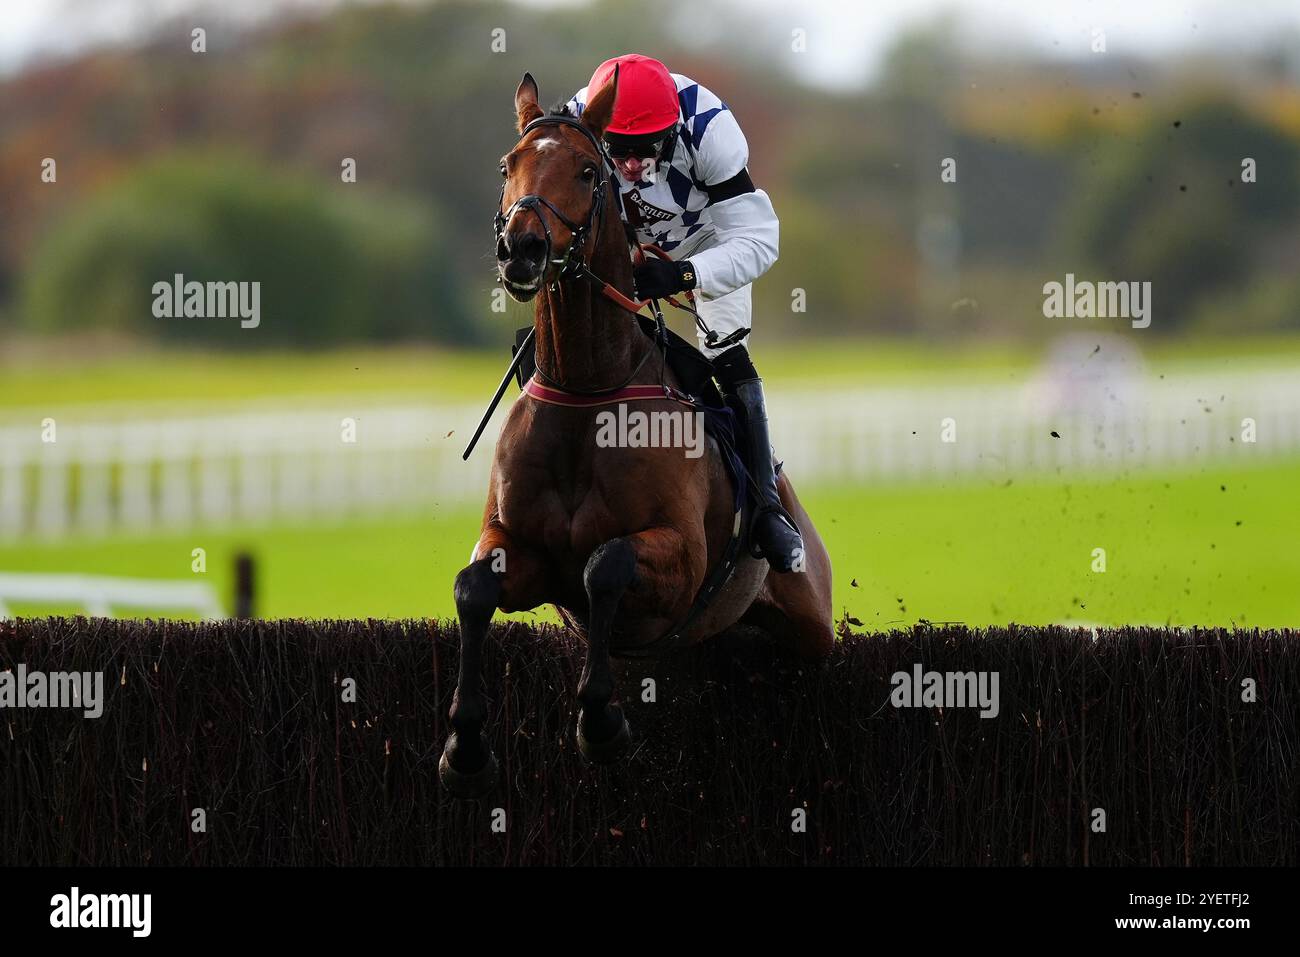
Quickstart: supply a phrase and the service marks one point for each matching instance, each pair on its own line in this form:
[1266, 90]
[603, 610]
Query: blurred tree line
[226, 166]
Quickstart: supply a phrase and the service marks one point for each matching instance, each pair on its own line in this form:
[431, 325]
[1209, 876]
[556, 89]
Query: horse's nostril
[503, 251]
[529, 246]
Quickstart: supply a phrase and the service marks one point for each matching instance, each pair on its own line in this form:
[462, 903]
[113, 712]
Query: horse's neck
[584, 340]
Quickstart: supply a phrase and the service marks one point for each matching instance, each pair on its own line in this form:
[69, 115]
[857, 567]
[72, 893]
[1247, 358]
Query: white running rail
[112, 471]
[100, 596]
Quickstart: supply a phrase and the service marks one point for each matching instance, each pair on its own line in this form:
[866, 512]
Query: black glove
[657, 278]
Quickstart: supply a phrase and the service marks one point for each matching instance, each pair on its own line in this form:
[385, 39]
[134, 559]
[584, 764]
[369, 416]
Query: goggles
[646, 146]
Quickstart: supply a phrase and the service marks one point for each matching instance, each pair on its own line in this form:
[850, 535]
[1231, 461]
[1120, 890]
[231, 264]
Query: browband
[560, 119]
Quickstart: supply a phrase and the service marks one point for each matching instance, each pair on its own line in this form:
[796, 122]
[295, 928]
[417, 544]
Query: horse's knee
[818, 640]
[611, 569]
[477, 589]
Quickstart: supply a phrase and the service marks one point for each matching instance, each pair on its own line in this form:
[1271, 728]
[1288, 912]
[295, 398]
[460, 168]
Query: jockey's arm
[745, 224]
[748, 240]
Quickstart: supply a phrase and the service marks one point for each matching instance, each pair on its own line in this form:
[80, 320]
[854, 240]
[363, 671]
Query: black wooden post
[244, 589]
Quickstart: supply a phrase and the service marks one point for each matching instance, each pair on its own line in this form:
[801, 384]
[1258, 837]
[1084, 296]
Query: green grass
[994, 553]
[981, 553]
[55, 377]
[202, 378]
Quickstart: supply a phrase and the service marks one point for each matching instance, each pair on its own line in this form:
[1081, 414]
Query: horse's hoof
[467, 785]
[612, 748]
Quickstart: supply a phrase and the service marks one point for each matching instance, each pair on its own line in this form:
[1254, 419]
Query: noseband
[571, 264]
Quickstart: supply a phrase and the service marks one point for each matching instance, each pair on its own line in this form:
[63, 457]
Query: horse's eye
[503, 169]
[588, 173]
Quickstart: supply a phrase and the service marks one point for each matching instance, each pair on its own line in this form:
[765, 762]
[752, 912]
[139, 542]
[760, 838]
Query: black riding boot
[773, 532]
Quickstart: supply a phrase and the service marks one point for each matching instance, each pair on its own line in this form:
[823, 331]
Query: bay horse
[619, 539]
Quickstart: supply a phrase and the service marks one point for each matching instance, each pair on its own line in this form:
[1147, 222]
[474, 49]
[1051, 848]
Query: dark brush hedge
[245, 720]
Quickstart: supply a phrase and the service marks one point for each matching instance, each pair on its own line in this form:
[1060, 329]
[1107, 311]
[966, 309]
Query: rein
[571, 265]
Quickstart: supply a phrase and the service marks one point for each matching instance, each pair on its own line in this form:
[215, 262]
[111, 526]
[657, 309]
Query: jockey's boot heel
[773, 533]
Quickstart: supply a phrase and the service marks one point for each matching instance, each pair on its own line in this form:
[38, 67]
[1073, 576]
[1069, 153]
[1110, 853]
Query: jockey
[683, 184]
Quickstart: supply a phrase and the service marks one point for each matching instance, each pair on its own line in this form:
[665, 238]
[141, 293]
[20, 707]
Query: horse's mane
[561, 109]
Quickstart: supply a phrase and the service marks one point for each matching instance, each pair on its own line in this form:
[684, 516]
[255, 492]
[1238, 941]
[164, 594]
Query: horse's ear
[526, 108]
[600, 108]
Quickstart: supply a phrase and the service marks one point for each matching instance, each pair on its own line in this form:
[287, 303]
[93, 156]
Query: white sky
[846, 38]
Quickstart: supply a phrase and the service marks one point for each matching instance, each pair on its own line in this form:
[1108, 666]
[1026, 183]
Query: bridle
[574, 265]
[569, 265]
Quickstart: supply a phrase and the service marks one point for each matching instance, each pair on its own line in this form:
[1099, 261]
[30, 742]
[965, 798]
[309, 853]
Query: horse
[619, 539]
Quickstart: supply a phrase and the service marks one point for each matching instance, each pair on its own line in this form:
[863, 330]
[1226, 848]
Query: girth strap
[675, 639]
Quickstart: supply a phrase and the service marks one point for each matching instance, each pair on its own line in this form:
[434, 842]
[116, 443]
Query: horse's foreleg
[646, 574]
[468, 768]
[603, 732]
[508, 576]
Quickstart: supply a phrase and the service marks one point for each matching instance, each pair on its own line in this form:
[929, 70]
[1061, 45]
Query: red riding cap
[647, 95]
